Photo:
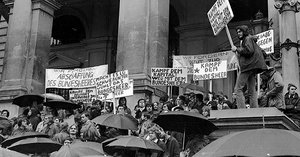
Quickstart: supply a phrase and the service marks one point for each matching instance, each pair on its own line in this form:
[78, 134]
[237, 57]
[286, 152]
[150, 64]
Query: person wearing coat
[274, 89]
[292, 103]
[251, 60]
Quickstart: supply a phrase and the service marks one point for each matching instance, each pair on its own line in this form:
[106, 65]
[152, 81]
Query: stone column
[28, 45]
[288, 40]
[142, 39]
[27, 48]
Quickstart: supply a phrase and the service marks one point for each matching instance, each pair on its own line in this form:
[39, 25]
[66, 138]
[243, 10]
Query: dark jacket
[250, 55]
[292, 102]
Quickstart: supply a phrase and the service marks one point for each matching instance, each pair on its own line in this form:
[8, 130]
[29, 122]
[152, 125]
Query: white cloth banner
[210, 70]
[74, 78]
[188, 61]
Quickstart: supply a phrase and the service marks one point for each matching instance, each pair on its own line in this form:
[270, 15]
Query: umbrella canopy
[61, 104]
[110, 150]
[135, 143]
[79, 149]
[35, 145]
[51, 96]
[9, 153]
[119, 121]
[193, 87]
[19, 137]
[28, 100]
[185, 122]
[256, 142]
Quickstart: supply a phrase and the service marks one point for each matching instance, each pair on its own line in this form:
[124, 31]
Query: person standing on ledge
[251, 61]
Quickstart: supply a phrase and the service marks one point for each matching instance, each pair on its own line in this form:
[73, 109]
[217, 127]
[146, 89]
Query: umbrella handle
[183, 140]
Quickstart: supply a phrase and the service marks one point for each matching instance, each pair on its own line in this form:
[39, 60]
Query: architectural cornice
[287, 5]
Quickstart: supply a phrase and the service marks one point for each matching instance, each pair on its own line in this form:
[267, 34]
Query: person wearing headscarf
[251, 60]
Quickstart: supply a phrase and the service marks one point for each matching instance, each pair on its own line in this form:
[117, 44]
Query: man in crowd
[273, 92]
[251, 62]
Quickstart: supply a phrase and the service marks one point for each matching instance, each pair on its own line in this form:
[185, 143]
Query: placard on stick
[168, 76]
[219, 15]
[210, 70]
[266, 41]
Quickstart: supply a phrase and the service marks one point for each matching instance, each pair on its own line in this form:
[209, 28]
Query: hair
[20, 120]
[87, 114]
[138, 102]
[288, 88]
[6, 112]
[244, 29]
[199, 97]
[123, 98]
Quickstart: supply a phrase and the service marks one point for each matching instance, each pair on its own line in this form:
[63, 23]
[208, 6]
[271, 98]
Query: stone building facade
[131, 34]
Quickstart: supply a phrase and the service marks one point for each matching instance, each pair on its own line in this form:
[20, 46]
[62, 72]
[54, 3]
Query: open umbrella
[28, 100]
[193, 87]
[134, 143]
[119, 121]
[51, 96]
[61, 104]
[35, 145]
[185, 122]
[9, 153]
[79, 149]
[256, 142]
[19, 137]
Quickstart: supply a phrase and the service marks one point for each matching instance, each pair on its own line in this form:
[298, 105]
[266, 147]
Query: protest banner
[210, 70]
[168, 76]
[114, 85]
[219, 15]
[189, 60]
[86, 95]
[266, 41]
[74, 78]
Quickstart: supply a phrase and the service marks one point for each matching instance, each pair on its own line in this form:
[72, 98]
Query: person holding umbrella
[88, 131]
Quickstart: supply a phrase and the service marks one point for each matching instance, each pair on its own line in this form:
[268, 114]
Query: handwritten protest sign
[168, 76]
[266, 41]
[87, 95]
[210, 70]
[74, 78]
[115, 84]
[189, 60]
[219, 15]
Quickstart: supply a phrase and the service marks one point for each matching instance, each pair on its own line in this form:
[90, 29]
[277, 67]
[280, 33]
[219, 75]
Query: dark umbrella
[28, 100]
[256, 142]
[119, 121]
[19, 137]
[185, 122]
[51, 96]
[9, 153]
[61, 104]
[79, 149]
[193, 87]
[35, 145]
[134, 143]
[110, 150]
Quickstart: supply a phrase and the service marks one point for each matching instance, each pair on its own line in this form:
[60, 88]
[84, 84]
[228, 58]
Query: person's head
[180, 100]
[85, 117]
[22, 122]
[156, 105]
[291, 88]
[192, 97]
[242, 31]
[5, 113]
[67, 141]
[141, 103]
[48, 119]
[121, 109]
[122, 101]
[64, 126]
[167, 106]
[206, 111]
[149, 107]
[73, 130]
[267, 74]
[199, 97]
